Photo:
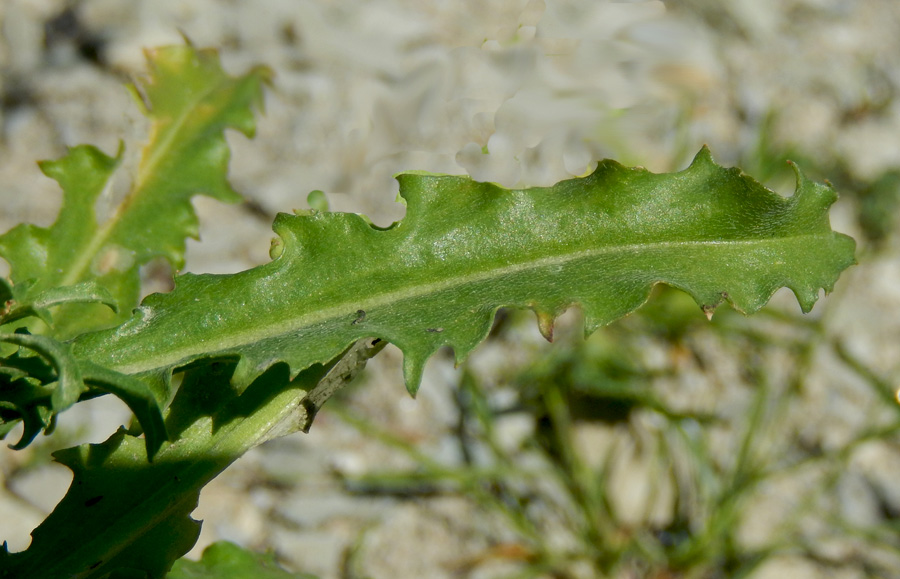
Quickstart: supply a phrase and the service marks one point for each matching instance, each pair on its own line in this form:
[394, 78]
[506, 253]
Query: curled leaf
[38, 402]
[137, 395]
[69, 385]
[39, 305]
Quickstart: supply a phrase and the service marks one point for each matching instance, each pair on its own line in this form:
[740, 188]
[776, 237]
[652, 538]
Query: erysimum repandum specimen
[259, 351]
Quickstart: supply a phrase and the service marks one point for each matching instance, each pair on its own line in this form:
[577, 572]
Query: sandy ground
[364, 90]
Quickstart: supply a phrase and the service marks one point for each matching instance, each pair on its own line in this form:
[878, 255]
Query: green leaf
[20, 399]
[42, 259]
[35, 388]
[40, 305]
[6, 292]
[465, 249]
[118, 503]
[224, 560]
[57, 381]
[143, 402]
[190, 101]
[83, 273]
[123, 512]
[44, 253]
[67, 386]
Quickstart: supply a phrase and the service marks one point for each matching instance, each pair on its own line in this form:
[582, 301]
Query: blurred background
[662, 446]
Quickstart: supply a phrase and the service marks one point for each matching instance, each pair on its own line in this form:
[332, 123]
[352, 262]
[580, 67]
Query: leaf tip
[545, 324]
[187, 39]
[703, 156]
[413, 368]
[818, 196]
[709, 309]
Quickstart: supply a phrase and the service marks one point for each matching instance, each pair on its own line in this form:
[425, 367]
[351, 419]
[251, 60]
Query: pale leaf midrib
[291, 325]
[145, 171]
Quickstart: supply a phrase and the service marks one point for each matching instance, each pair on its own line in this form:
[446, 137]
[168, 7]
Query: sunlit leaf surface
[465, 249]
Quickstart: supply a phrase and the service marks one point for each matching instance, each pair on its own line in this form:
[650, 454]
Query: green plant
[226, 362]
[696, 497]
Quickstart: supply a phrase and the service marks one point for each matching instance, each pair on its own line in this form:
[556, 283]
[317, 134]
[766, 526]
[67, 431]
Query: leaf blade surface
[190, 102]
[465, 249]
[83, 272]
